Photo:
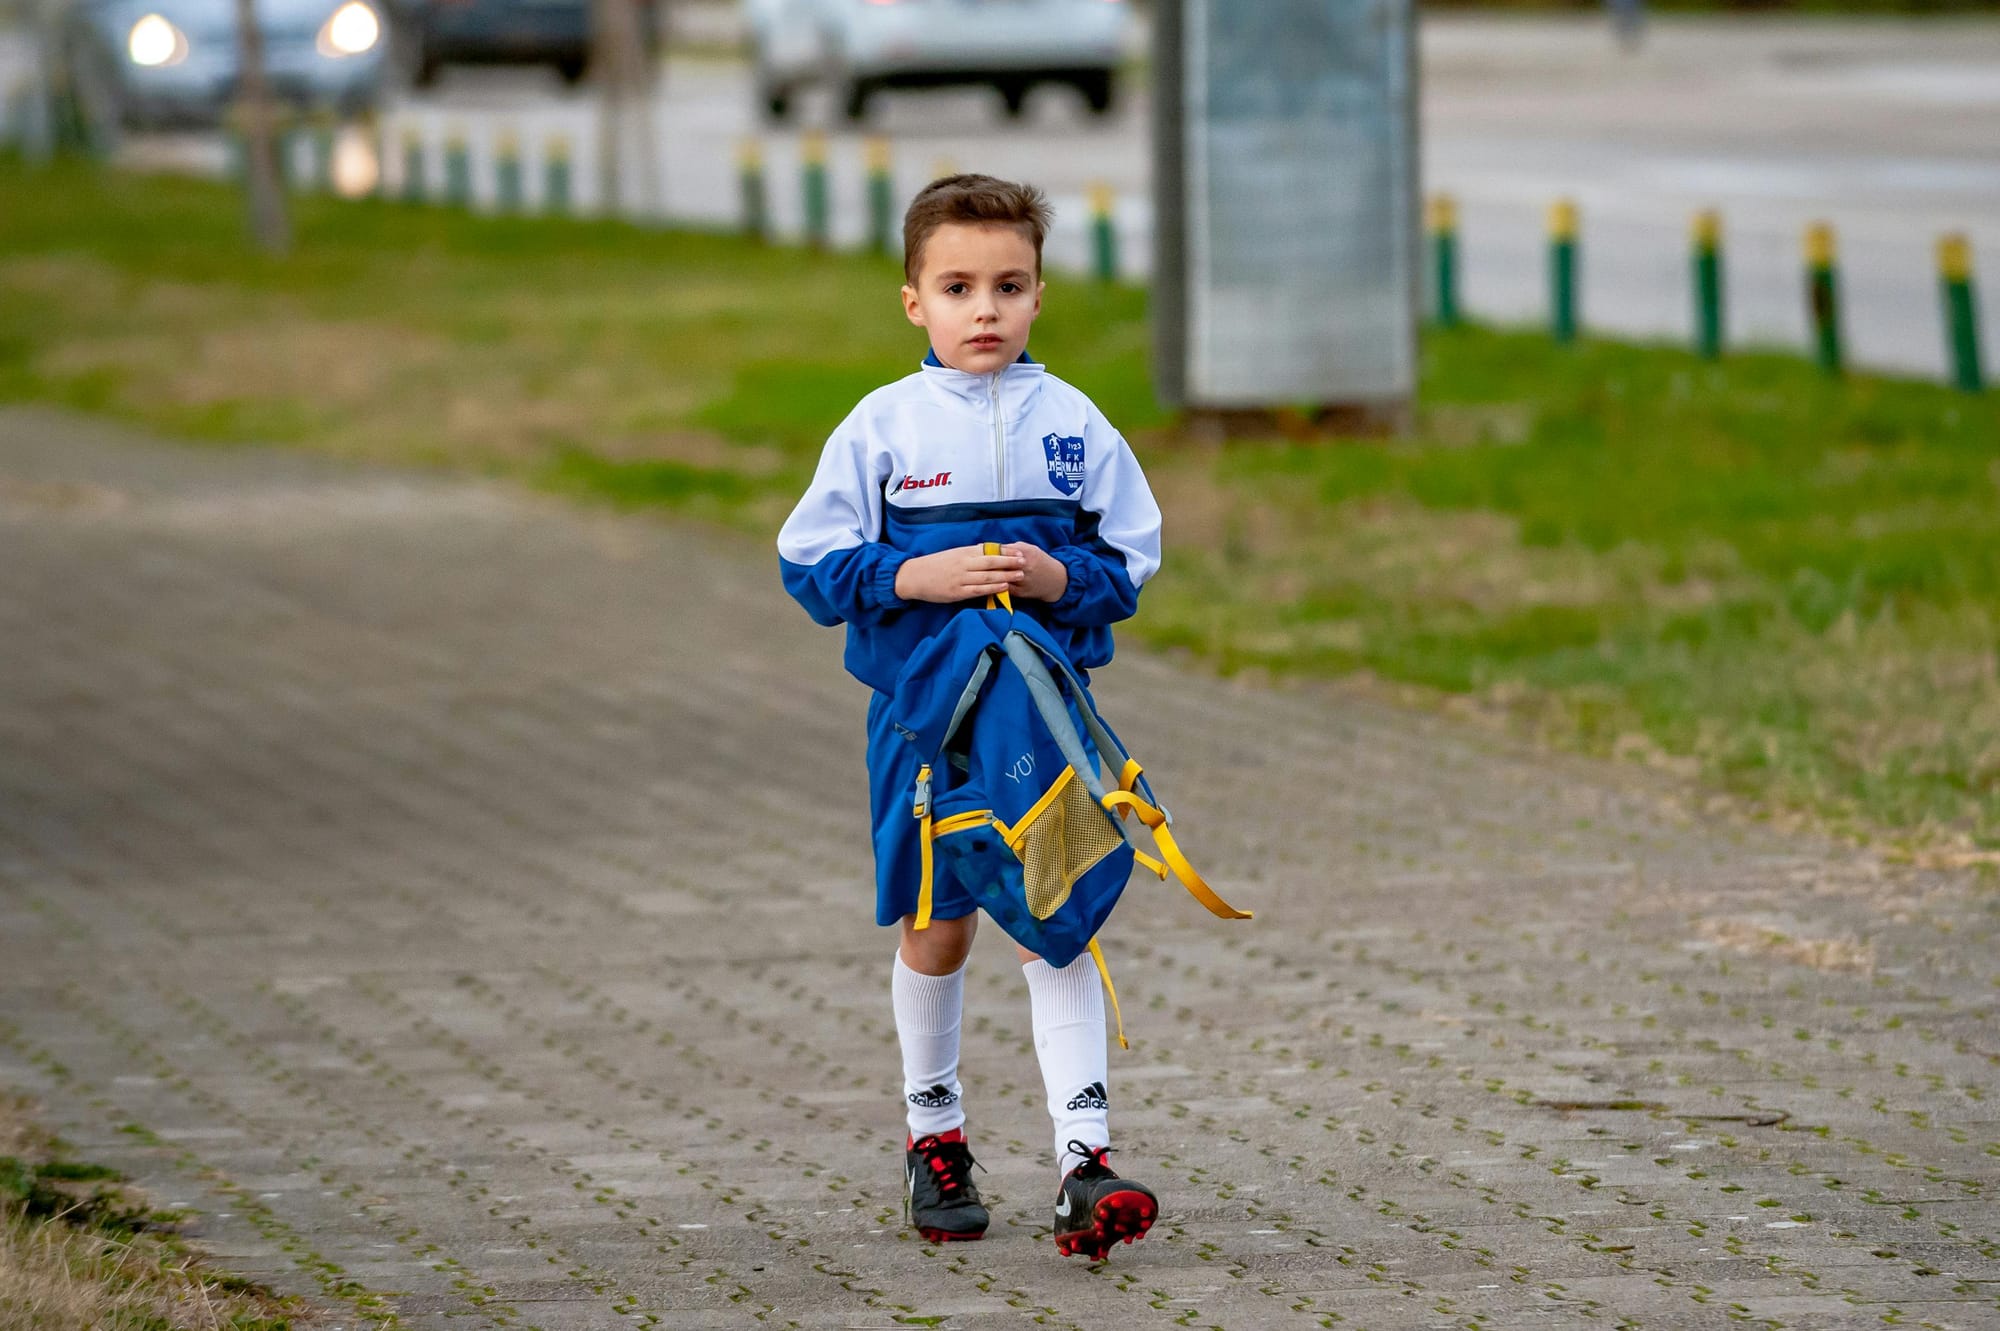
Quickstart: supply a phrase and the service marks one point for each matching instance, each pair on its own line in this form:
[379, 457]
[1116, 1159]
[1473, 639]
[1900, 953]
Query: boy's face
[978, 293]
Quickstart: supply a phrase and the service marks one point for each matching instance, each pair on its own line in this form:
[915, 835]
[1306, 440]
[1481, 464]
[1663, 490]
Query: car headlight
[354, 28]
[154, 42]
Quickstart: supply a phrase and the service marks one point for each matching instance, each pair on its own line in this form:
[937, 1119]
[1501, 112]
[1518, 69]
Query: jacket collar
[1018, 383]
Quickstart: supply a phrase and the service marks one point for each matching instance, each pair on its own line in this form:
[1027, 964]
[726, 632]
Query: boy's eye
[955, 289]
[1010, 287]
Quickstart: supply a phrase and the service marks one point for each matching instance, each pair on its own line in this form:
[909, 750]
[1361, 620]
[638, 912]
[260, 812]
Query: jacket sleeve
[828, 551]
[1118, 535]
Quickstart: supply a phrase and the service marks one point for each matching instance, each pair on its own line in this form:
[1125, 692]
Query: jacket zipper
[999, 439]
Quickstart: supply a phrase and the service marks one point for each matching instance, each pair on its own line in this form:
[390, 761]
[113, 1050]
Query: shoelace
[1093, 1156]
[951, 1162]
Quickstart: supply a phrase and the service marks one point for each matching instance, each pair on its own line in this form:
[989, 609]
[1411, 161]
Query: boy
[981, 444]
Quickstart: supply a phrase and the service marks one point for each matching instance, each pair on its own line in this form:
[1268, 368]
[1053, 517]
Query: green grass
[1787, 586]
[80, 1251]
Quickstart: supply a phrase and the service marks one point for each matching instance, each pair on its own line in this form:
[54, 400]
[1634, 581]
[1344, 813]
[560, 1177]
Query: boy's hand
[963, 574]
[1043, 576]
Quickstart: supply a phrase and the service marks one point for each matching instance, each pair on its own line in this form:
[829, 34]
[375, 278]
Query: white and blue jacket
[942, 459]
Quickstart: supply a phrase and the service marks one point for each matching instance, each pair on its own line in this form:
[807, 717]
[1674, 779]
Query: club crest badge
[1065, 455]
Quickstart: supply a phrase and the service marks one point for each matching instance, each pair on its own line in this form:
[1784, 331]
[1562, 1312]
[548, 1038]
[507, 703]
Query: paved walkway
[460, 899]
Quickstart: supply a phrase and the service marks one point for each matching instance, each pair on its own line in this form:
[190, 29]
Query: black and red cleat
[1096, 1209]
[941, 1199]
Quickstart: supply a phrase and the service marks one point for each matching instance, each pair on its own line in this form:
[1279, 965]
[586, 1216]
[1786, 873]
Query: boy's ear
[911, 310]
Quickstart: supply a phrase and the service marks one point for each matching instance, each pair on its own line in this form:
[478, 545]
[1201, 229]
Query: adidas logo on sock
[937, 1097]
[1093, 1096]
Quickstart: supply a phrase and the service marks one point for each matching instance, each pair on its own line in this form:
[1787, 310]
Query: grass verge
[1786, 586]
[80, 1252]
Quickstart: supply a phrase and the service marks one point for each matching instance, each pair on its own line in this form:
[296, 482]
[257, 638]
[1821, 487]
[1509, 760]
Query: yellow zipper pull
[923, 812]
[1006, 601]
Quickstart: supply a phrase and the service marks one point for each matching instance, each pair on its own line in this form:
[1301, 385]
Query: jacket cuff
[882, 581]
[1079, 563]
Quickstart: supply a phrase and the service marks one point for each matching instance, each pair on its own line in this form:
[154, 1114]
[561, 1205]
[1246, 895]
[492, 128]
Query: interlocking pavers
[460, 900]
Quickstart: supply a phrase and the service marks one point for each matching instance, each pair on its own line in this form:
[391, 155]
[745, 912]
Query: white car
[863, 46]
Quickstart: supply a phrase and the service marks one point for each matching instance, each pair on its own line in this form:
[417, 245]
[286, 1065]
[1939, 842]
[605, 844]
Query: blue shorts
[899, 870]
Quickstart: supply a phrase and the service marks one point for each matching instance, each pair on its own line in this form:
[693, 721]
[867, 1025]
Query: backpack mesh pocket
[1062, 838]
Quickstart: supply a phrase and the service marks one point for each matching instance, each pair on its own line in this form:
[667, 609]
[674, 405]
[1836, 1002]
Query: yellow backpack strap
[1122, 802]
[1004, 599]
[1104, 974]
[1128, 780]
[923, 812]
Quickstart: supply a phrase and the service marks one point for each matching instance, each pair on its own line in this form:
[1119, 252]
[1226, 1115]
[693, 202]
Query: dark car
[428, 34]
[166, 62]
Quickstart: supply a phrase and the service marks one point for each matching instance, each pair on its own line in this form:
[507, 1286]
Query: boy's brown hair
[976, 200]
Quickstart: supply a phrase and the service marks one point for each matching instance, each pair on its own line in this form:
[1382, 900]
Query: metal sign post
[1287, 241]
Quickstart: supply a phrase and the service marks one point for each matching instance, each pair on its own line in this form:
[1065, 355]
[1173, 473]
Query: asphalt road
[1889, 130]
[461, 901]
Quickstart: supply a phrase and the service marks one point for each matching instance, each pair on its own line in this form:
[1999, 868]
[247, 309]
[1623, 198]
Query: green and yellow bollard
[414, 184]
[294, 147]
[750, 183]
[881, 197]
[323, 129]
[812, 184]
[507, 190]
[236, 145]
[291, 143]
[1708, 283]
[1103, 233]
[457, 169]
[376, 143]
[363, 173]
[558, 196]
[1961, 312]
[1823, 296]
[1562, 270]
[1444, 258]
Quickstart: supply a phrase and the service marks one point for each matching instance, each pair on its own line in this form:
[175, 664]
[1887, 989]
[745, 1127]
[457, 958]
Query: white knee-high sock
[1068, 1007]
[929, 1010]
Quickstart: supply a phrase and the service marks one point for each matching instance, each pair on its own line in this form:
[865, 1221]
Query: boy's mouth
[985, 342]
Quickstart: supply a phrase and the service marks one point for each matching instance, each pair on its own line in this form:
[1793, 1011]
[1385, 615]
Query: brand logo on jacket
[1065, 454]
[912, 483]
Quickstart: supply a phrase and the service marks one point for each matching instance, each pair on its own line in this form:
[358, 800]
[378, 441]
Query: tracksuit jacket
[942, 459]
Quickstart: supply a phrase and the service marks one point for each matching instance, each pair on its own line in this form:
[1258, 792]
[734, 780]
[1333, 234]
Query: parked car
[174, 62]
[863, 46]
[431, 33]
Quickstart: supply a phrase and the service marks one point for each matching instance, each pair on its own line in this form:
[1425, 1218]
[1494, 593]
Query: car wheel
[1014, 92]
[773, 94]
[1097, 88]
[855, 103]
[415, 65]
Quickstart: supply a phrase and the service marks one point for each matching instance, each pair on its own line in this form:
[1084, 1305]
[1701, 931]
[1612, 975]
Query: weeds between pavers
[1786, 586]
[79, 1251]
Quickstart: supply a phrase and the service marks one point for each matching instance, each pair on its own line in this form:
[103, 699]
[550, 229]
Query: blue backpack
[1010, 793]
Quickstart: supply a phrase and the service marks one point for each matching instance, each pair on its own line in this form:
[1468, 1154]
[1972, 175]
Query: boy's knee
[939, 949]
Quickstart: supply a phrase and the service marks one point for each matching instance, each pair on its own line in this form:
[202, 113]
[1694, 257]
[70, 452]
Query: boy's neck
[932, 359]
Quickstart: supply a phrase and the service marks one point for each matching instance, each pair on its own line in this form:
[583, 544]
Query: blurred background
[1701, 470]
[1879, 117]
